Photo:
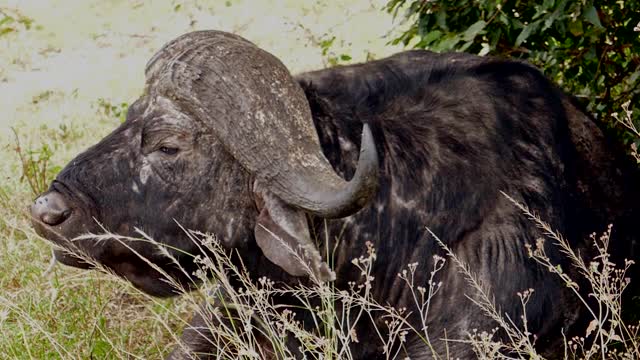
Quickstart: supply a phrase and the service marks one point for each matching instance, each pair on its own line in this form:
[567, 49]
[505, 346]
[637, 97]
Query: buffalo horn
[261, 115]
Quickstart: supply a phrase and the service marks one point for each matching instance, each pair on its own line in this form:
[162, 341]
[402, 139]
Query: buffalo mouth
[65, 258]
[57, 217]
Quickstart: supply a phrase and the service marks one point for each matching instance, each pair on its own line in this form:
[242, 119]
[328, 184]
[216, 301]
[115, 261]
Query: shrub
[592, 49]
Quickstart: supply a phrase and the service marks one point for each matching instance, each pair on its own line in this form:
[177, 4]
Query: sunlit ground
[62, 86]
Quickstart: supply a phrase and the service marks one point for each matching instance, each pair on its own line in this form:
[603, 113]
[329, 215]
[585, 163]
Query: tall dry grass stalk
[247, 321]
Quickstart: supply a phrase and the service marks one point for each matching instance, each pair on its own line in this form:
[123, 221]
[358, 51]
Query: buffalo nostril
[55, 217]
[51, 209]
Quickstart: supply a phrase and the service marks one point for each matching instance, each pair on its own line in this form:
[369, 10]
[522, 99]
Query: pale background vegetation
[63, 83]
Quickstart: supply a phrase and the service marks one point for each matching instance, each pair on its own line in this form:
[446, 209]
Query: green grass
[67, 68]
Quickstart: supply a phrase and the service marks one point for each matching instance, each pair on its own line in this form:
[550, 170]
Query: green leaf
[526, 32]
[485, 49]
[6, 31]
[345, 57]
[55, 169]
[430, 37]
[473, 30]
[465, 46]
[542, 9]
[448, 43]
[555, 15]
[494, 38]
[575, 27]
[504, 19]
[326, 44]
[591, 15]
[423, 24]
[6, 20]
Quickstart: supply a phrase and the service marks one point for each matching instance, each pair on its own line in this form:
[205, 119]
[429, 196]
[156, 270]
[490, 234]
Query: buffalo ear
[283, 235]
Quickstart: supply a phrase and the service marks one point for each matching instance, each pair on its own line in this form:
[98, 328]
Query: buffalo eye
[168, 150]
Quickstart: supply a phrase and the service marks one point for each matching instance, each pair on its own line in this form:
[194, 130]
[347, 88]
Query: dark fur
[452, 131]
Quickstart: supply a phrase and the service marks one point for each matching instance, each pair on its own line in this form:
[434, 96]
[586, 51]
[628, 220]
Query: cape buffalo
[224, 140]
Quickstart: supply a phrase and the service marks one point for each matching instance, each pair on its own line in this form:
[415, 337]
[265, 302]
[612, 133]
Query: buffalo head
[222, 141]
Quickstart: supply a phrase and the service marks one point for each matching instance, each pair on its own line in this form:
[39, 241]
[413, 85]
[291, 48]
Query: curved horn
[257, 110]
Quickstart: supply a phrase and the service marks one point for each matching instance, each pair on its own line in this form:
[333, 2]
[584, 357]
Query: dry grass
[63, 83]
[246, 315]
